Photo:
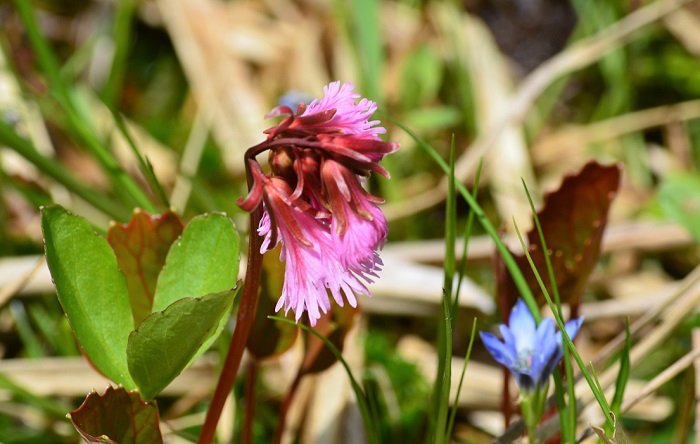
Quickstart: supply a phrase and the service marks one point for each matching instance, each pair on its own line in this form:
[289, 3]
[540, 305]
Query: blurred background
[533, 88]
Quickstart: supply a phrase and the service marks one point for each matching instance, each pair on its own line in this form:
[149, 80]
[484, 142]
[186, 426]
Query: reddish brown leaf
[141, 247]
[117, 417]
[269, 338]
[573, 219]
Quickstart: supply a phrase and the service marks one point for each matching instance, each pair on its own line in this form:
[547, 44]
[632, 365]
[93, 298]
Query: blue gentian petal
[546, 348]
[293, 98]
[549, 356]
[508, 338]
[522, 325]
[573, 326]
[500, 351]
[545, 332]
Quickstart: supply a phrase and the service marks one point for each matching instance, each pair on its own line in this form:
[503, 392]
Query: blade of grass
[441, 392]
[466, 236]
[567, 412]
[122, 181]
[122, 40]
[369, 41]
[597, 393]
[370, 56]
[49, 65]
[362, 402]
[595, 379]
[375, 408]
[56, 171]
[30, 341]
[46, 405]
[453, 413]
[508, 260]
[564, 423]
[450, 234]
[144, 163]
[76, 121]
[48, 323]
[622, 377]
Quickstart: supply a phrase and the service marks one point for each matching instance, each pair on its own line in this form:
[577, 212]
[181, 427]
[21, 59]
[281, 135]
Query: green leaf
[117, 416]
[91, 289]
[141, 247]
[167, 341]
[204, 260]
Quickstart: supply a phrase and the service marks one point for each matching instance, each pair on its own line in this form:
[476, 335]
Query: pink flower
[360, 241]
[330, 227]
[349, 117]
[312, 262]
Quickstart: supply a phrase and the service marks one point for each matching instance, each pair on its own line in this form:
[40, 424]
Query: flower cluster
[530, 352]
[313, 201]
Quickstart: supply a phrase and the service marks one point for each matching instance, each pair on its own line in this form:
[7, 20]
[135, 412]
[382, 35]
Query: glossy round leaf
[203, 260]
[167, 341]
[91, 289]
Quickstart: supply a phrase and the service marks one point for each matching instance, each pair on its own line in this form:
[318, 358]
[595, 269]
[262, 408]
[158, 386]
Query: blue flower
[529, 351]
[293, 98]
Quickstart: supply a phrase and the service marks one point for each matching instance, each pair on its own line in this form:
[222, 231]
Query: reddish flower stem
[244, 319]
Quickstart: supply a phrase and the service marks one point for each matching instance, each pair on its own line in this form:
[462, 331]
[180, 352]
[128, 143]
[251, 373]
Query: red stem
[244, 320]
